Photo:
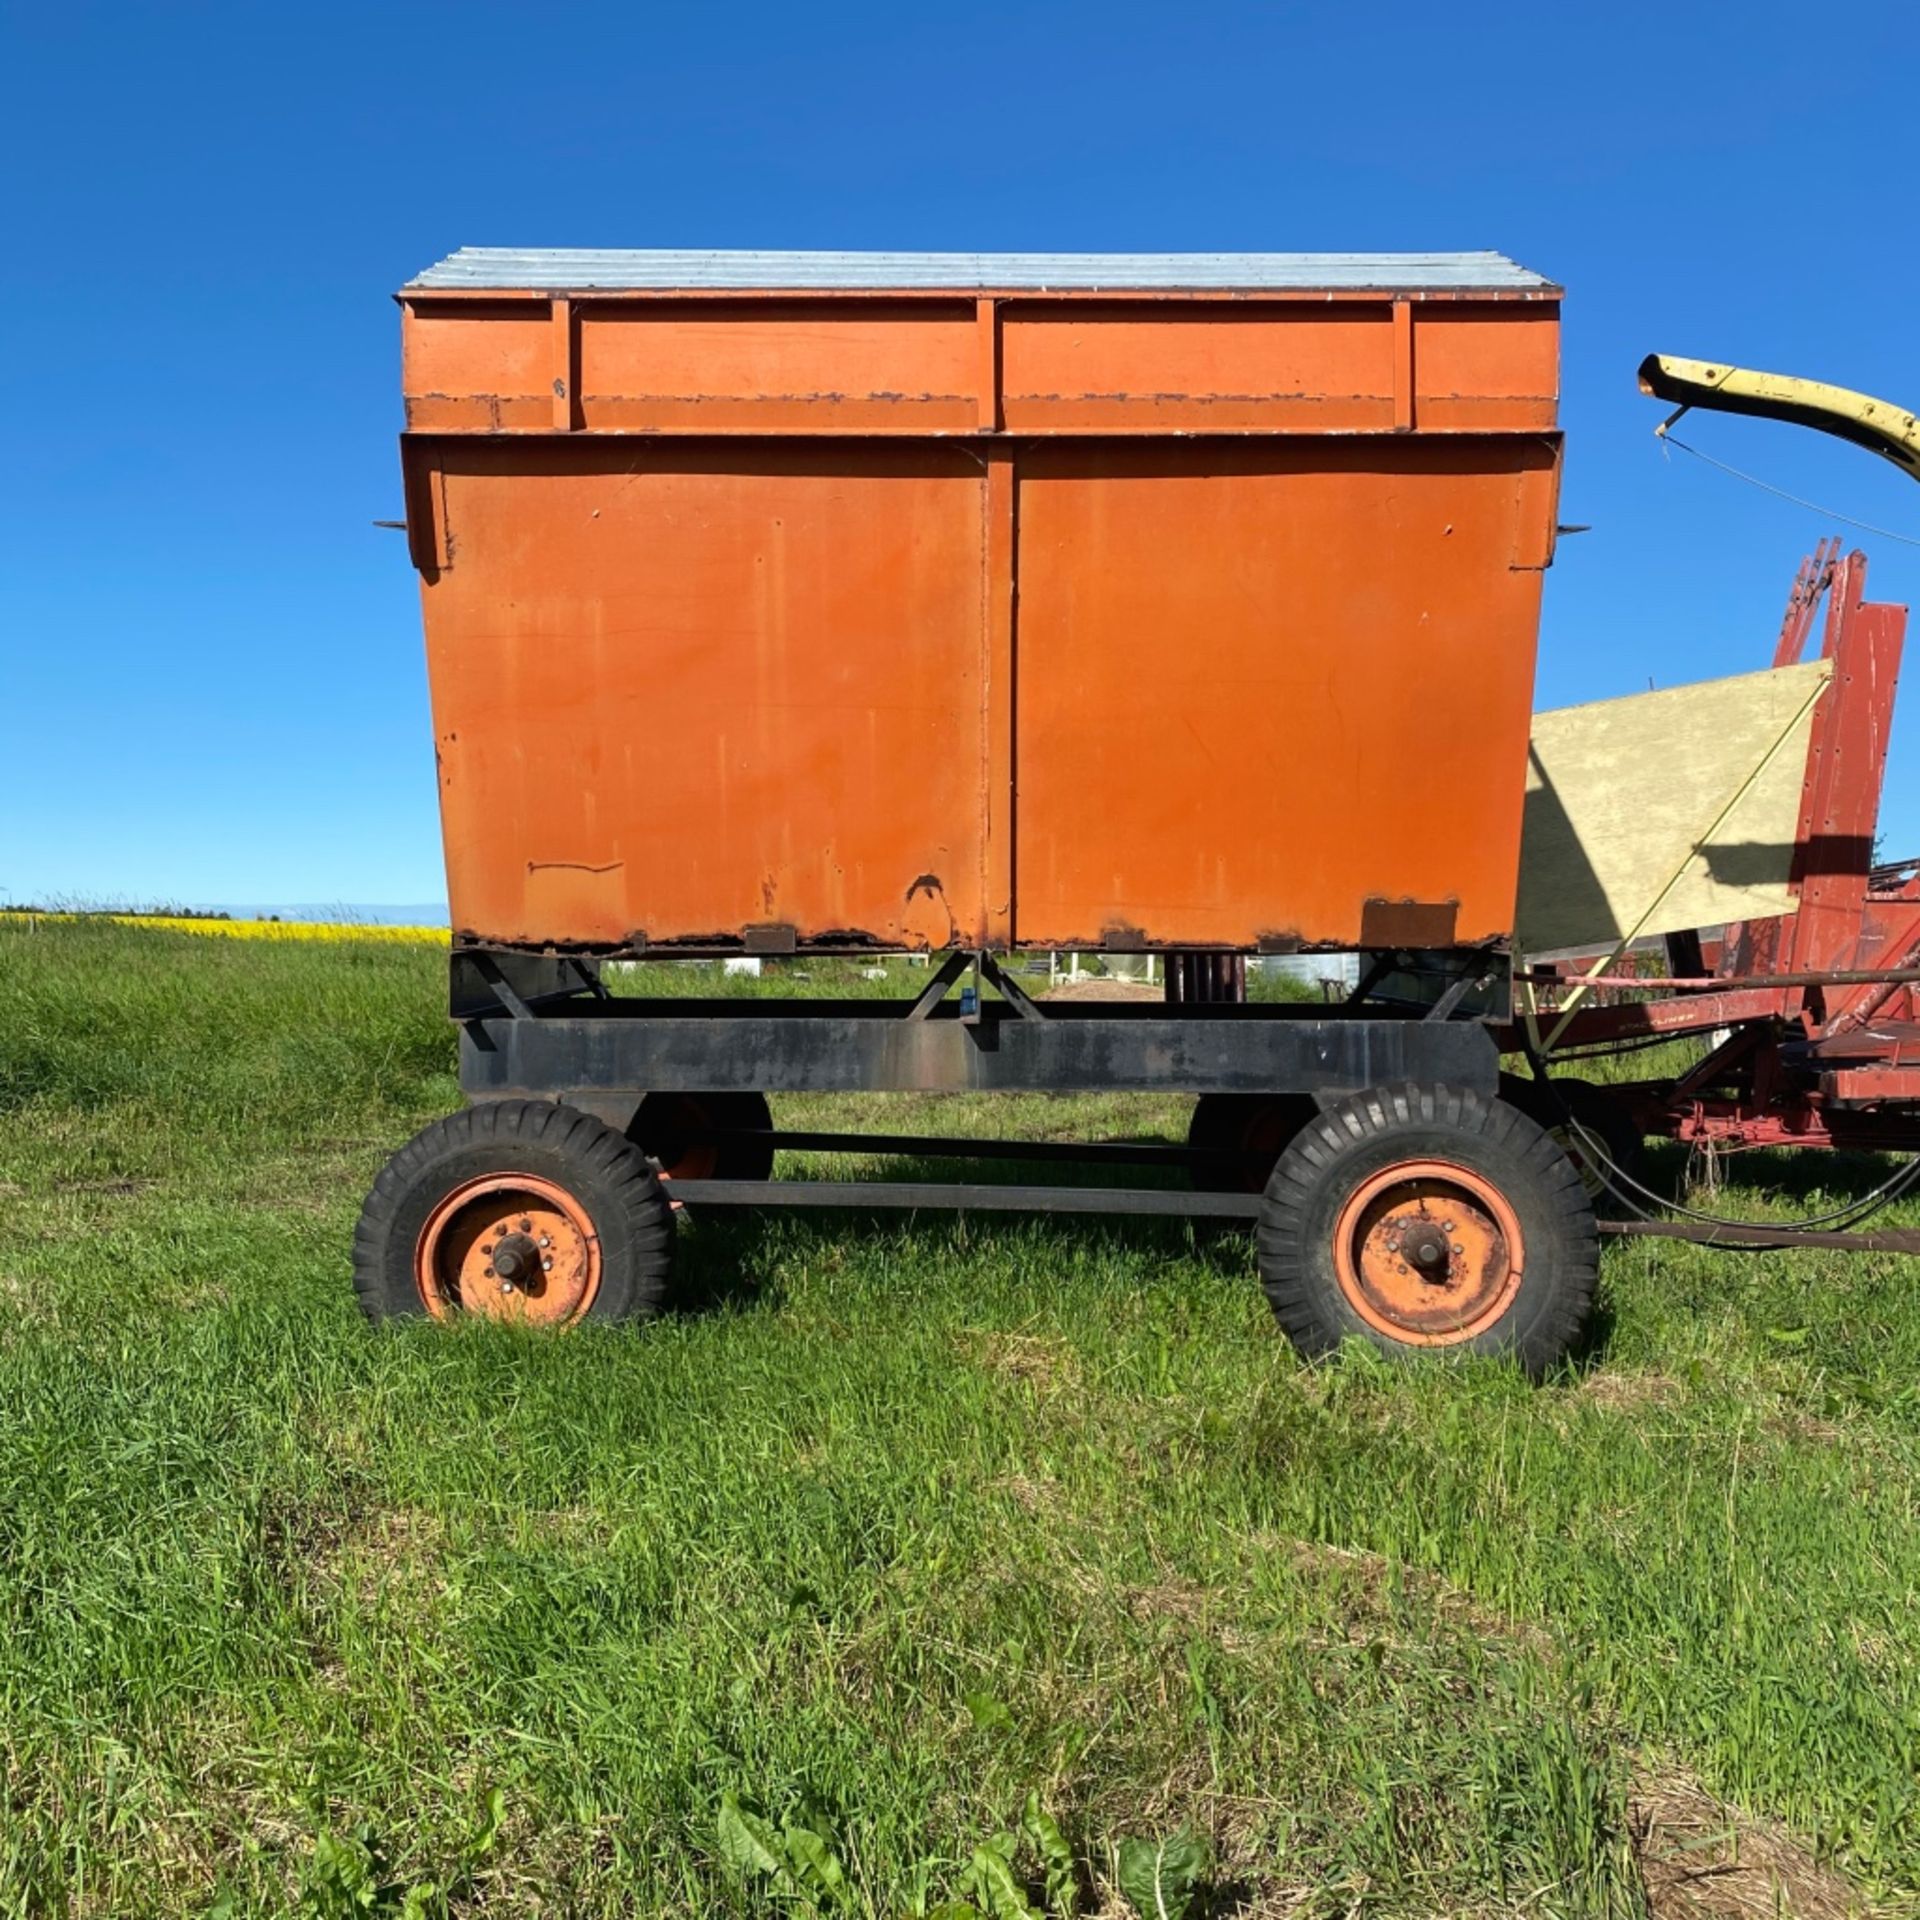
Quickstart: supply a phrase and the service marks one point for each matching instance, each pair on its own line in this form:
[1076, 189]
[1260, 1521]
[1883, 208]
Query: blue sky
[211, 660]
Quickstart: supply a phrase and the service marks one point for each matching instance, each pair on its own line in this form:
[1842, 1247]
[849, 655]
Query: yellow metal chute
[1878, 425]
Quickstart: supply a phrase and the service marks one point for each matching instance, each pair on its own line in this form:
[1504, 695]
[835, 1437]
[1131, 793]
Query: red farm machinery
[1811, 1017]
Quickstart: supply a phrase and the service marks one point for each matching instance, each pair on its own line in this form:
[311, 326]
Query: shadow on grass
[723, 1261]
[1785, 1173]
[1594, 1343]
[732, 1256]
[1236, 1899]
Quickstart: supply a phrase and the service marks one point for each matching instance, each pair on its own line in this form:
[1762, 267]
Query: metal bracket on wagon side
[1016, 995]
[930, 996]
[483, 983]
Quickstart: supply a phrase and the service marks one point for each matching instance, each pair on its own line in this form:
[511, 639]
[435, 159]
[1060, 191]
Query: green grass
[908, 1520]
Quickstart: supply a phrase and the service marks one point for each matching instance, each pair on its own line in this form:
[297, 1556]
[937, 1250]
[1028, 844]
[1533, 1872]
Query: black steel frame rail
[865, 1047]
[943, 1146]
[1177, 1203]
[952, 1196]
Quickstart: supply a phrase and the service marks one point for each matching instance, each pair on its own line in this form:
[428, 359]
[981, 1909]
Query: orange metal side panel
[784, 364]
[681, 690]
[1486, 367]
[702, 366]
[1262, 683]
[1264, 366]
[482, 366]
[780, 365]
[1144, 366]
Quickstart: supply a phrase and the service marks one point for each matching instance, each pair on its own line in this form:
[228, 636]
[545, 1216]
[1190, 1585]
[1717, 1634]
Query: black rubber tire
[609, 1177]
[1349, 1142]
[1228, 1124]
[1598, 1112]
[652, 1130]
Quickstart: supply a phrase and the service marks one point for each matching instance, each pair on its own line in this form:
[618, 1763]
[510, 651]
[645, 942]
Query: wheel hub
[1422, 1245]
[510, 1246]
[1428, 1252]
[516, 1261]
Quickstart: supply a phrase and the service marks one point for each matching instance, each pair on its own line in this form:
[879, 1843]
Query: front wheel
[1427, 1218]
[515, 1210]
[1580, 1117]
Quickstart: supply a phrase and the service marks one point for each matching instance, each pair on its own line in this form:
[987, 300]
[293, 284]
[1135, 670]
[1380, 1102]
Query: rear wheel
[1237, 1137]
[673, 1130]
[515, 1210]
[1574, 1113]
[1423, 1218]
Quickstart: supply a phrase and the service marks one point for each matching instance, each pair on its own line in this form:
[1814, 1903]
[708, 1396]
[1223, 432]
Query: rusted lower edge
[859, 943]
[1409, 923]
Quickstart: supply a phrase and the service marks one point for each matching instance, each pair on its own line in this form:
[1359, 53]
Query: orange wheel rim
[1428, 1252]
[508, 1246]
[689, 1160]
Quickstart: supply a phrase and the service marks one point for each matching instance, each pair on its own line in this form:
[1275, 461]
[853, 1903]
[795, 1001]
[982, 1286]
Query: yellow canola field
[244, 929]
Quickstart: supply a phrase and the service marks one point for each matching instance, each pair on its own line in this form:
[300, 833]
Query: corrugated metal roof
[562, 269]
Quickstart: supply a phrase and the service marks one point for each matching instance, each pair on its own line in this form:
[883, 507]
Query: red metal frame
[1816, 1060]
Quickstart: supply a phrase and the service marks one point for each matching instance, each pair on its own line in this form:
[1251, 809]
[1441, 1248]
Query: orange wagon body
[923, 601]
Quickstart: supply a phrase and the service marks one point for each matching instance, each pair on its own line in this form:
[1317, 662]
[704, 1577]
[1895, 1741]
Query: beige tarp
[1621, 793]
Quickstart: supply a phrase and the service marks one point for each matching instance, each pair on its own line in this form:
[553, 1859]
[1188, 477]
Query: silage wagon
[794, 604]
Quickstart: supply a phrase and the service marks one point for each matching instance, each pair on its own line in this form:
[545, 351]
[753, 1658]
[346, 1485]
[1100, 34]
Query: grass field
[900, 1528]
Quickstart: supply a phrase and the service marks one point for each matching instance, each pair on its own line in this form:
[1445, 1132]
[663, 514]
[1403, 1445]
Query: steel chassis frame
[544, 1027]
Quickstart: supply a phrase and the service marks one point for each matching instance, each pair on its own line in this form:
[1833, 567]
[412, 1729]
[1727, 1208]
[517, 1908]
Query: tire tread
[1547, 1317]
